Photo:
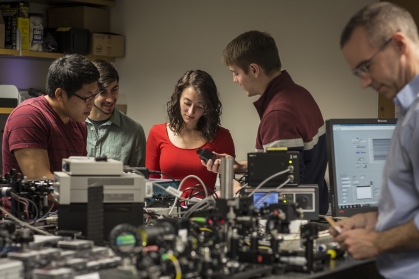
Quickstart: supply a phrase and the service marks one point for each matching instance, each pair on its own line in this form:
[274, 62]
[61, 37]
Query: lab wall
[164, 39]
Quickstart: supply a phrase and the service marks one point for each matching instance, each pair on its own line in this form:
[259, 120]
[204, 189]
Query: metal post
[226, 177]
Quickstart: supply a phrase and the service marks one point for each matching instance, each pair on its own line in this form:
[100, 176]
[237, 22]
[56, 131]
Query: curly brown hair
[204, 85]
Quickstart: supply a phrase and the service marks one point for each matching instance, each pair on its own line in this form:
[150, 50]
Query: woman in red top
[193, 114]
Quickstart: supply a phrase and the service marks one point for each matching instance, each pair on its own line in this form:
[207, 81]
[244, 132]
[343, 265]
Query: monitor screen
[357, 151]
[259, 199]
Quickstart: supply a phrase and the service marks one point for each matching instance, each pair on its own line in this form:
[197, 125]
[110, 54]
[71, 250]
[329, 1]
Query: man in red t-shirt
[42, 131]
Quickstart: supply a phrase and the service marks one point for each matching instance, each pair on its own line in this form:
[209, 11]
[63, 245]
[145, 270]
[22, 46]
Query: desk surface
[343, 268]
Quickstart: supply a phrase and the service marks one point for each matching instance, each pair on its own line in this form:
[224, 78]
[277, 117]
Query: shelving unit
[46, 55]
[109, 3]
[51, 55]
[9, 52]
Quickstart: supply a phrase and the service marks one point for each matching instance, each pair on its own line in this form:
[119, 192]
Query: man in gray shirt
[109, 131]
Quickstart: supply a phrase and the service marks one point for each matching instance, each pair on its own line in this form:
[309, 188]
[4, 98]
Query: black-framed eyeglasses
[87, 99]
[363, 69]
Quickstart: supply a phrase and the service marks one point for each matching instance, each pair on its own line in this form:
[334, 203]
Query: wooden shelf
[6, 110]
[110, 3]
[40, 54]
[93, 2]
[46, 55]
[11, 52]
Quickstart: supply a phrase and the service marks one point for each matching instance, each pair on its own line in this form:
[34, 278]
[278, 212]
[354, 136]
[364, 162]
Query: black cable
[160, 172]
[241, 191]
[145, 172]
[201, 191]
[164, 197]
[152, 214]
[158, 204]
[243, 179]
[215, 194]
[192, 189]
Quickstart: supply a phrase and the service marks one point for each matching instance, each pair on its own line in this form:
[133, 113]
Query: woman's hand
[214, 166]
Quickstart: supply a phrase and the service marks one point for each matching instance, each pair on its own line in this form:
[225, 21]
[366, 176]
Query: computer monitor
[262, 198]
[357, 151]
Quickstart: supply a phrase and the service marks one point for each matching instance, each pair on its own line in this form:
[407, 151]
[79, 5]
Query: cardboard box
[93, 19]
[2, 32]
[16, 17]
[112, 45]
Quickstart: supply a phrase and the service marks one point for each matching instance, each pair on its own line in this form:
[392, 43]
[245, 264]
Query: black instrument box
[69, 40]
[262, 165]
